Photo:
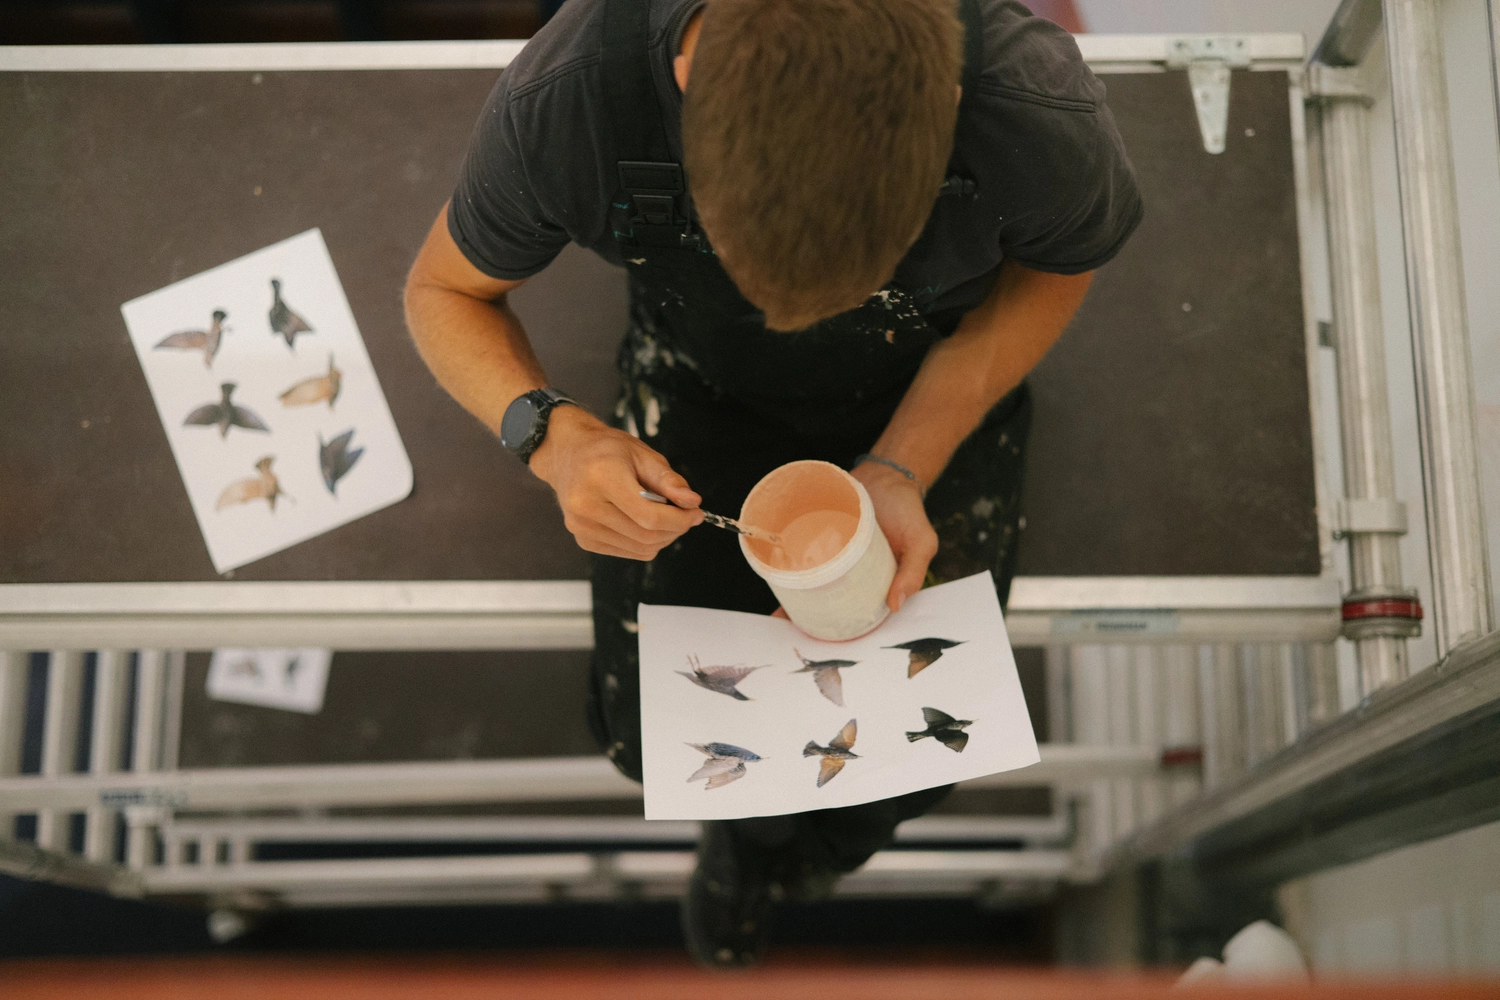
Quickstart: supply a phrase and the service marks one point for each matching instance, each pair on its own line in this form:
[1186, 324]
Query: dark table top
[1171, 435]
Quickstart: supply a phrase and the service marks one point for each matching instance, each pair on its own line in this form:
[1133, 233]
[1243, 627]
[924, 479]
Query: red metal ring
[1384, 607]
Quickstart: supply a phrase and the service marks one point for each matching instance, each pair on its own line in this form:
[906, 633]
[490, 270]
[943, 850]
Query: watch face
[515, 426]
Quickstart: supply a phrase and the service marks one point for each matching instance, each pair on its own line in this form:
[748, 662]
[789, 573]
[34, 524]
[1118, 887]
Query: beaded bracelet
[867, 457]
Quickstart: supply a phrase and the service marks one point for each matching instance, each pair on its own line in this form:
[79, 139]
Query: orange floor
[617, 977]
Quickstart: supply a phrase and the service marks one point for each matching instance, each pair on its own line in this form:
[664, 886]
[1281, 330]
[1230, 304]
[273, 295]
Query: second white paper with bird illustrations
[259, 387]
[933, 694]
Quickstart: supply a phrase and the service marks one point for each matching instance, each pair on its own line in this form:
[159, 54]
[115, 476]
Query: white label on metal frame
[293, 679]
[1114, 623]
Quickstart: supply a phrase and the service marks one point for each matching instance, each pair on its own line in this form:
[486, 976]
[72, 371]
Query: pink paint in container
[833, 567]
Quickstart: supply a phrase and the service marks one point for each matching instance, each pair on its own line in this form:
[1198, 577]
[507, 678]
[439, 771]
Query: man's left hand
[900, 514]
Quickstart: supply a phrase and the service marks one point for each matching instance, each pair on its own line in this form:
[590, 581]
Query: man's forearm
[965, 375]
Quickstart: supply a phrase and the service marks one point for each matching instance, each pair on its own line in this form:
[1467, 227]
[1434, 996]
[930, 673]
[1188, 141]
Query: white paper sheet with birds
[260, 375]
[930, 697]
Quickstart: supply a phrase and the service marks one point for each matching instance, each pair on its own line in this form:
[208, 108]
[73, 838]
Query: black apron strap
[652, 182]
[968, 12]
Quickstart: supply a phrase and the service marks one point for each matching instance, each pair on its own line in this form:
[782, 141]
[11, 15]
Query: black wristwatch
[524, 425]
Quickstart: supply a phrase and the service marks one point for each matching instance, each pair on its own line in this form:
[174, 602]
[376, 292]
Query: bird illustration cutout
[839, 750]
[923, 653]
[263, 486]
[724, 680]
[726, 762]
[206, 341]
[944, 728]
[225, 414]
[335, 458]
[826, 676]
[314, 390]
[284, 321]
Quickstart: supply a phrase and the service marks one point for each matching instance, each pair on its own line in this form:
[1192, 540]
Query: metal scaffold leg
[1439, 325]
[1380, 612]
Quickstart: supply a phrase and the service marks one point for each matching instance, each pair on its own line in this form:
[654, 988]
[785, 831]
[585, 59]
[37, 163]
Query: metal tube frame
[1439, 325]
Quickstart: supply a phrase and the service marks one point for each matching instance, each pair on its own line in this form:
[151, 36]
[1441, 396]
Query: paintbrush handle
[720, 521]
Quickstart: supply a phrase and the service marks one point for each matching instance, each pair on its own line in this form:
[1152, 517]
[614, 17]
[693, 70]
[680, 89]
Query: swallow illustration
[724, 680]
[944, 728]
[225, 414]
[206, 341]
[336, 459]
[838, 750]
[726, 762]
[264, 486]
[283, 320]
[923, 653]
[315, 389]
[826, 676]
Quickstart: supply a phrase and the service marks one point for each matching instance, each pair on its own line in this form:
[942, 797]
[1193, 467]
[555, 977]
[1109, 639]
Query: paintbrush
[720, 521]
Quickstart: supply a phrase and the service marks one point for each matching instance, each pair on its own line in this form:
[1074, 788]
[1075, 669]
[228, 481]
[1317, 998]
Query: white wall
[1159, 16]
[1430, 909]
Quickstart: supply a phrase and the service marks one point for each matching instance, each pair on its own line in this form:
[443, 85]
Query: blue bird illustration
[726, 762]
[336, 459]
[225, 414]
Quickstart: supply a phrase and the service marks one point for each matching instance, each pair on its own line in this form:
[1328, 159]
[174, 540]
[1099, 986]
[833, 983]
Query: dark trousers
[723, 449]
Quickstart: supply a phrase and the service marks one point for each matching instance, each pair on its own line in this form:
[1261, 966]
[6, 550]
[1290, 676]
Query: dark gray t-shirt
[1054, 189]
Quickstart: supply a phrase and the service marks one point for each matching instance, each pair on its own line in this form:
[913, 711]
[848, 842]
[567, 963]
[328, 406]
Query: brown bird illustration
[283, 320]
[826, 676]
[923, 653]
[315, 389]
[206, 341]
[724, 680]
[264, 486]
[838, 750]
[225, 414]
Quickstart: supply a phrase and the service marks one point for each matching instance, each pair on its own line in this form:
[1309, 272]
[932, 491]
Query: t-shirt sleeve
[496, 216]
[1071, 199]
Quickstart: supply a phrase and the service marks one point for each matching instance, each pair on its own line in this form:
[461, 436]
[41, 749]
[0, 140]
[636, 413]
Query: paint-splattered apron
[725, 401]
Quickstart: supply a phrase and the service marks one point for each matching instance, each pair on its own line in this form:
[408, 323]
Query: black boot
[726, 912]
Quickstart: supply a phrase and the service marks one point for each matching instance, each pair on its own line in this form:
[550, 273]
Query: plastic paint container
[834, 568]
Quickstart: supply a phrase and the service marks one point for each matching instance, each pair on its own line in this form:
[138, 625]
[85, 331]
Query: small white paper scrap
[269, 400]
[293, 679]
[744, 715]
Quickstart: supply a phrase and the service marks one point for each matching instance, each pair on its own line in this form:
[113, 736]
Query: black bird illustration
[838, 750]
[726, 762]
[826, 676]
[289, 672]
[724, 680]
[206, 341]
[923, 653]
[336, 459]
[225, 414]
[262, 486]
[944, 728]
[283, 320]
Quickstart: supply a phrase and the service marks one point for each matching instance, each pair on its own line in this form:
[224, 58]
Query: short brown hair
[816, 134]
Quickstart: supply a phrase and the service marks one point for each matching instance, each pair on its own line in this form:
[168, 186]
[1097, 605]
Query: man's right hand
[598, 473]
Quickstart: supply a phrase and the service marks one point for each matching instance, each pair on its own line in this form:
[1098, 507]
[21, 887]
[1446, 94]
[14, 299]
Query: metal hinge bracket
[1208, 60]
[1337, 83]
[1368, 517]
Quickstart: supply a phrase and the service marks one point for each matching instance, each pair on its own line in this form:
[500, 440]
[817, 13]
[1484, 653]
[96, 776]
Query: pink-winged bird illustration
[724, 680]
[206, 341]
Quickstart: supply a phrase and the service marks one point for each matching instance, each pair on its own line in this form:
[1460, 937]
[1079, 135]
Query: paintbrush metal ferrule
[720, 521]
